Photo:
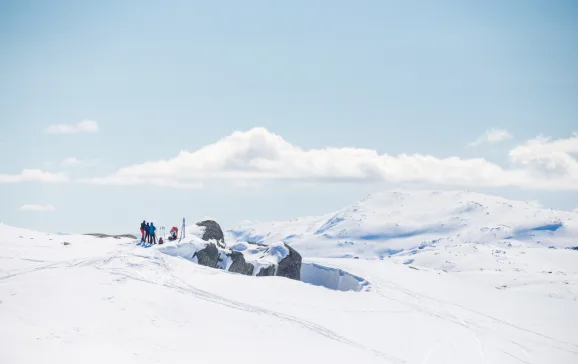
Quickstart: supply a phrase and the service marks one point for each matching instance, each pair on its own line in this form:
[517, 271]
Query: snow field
[485, 289]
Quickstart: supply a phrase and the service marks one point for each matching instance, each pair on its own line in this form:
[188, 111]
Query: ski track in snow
[419, 302]
[136, 264]
[179, 284]
[429, 352]
[474, 329]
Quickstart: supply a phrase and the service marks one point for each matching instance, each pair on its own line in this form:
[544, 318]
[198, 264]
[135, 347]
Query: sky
[114, 112]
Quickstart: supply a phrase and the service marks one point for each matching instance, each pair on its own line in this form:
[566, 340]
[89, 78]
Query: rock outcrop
[284, 260]
[266, 271]
[212, 232]
[290, 266]
[208, 248]
[239, 265]
[208, 256]
[100, 235]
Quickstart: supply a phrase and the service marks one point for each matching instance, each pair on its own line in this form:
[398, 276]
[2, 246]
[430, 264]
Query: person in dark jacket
[143, 226]
[147, 229]
[152, 236]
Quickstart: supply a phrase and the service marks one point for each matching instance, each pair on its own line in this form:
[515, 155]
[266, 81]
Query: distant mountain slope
[386, 223]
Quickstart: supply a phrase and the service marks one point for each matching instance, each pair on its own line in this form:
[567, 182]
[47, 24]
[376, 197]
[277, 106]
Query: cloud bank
[491, 136]
[258, 154]
[85, 126]
[33, 175]
[248, 157]
[37, 208]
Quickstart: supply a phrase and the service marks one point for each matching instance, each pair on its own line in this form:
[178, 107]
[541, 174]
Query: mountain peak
[393, 221]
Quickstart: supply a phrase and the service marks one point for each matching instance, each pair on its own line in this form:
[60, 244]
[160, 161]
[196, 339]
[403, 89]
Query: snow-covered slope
[468, 300]
[386, 223]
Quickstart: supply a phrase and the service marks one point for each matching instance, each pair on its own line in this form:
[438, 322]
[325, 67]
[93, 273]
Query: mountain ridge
[392, 221]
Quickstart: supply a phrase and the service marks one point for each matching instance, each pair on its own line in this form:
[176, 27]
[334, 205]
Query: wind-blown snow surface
[108, 300]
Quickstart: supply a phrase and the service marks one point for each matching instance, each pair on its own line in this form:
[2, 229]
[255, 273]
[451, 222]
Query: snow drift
[332, 278]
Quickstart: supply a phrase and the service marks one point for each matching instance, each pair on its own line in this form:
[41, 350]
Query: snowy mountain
[390, 222]
[442, 277]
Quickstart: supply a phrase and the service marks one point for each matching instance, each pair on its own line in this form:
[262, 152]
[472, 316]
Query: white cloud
[491, 136]
[37, 208]
[33, 175]
[70, 162]
[74, 162]
[85, 126]
[545, 156]
[258, 154]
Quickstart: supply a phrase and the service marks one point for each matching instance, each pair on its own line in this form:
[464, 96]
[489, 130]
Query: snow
[196, 230]
[185, 250]
[465, 286]
[332, 278]
[387, 223]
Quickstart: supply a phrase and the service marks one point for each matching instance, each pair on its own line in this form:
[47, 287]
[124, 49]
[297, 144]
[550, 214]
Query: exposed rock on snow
[277, 259]
[239, 265]
[212, 231]
[290, 266]
[100, 235]
[266, 271]
[208, 256]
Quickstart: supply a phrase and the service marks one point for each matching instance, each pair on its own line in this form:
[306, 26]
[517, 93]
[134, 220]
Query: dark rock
[213, 231]
[256, 243]
[239, 264]
[268, 271]
[100, 235]
[290, 266]
[209, 256]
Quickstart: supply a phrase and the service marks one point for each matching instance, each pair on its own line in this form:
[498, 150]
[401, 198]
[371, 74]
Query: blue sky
[393, 77]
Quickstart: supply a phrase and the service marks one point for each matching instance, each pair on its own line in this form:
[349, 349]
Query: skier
[152, 237]
[173, 233]
[147, 229]
[143, 226]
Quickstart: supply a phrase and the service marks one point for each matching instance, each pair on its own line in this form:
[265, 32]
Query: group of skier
[148, 232]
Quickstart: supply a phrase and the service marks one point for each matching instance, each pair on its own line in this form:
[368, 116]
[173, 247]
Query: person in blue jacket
[152, 236]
